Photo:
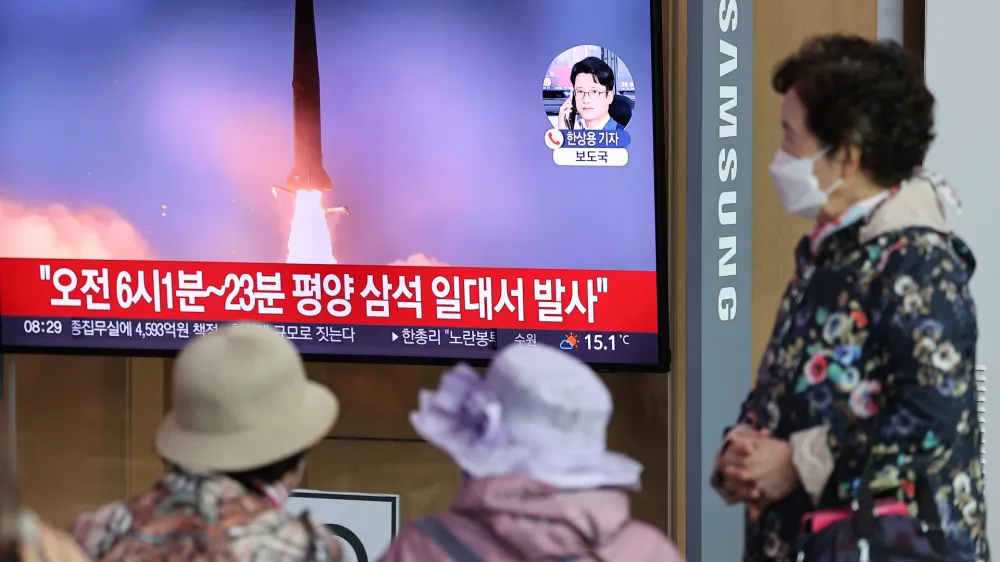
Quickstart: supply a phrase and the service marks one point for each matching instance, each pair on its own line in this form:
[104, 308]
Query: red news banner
[520, 299]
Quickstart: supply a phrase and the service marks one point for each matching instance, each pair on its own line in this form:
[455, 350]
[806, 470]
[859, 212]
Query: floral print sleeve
[921, 360]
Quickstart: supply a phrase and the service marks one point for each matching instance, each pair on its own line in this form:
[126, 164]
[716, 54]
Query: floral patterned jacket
[195, 518]
[873, 354]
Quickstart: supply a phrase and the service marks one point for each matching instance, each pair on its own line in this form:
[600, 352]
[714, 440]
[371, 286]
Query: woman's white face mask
[798, 186]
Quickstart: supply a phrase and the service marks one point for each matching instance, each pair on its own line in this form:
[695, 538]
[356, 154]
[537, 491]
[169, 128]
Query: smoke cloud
[60, 232]
[420, 260]
[56, 231]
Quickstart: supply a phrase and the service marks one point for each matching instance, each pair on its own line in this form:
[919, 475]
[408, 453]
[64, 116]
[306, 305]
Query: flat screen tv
[381, 180]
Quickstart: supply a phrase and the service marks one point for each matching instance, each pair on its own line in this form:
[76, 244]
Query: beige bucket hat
[241, 400]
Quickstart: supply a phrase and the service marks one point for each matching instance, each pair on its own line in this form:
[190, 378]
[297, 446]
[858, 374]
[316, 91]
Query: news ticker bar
[333, 339]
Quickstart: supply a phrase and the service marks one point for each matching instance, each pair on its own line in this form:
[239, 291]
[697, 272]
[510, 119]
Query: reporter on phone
[589, 105]
[873, 348]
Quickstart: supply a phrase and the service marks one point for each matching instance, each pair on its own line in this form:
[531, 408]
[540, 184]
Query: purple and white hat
[539, 412]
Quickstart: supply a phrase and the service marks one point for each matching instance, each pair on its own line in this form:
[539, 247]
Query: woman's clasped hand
[755, 468]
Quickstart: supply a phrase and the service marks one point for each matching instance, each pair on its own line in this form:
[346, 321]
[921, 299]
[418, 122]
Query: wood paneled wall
[85, 428]
[71, 431]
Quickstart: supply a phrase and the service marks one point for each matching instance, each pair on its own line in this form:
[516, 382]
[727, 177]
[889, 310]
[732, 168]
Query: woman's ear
[850, 160]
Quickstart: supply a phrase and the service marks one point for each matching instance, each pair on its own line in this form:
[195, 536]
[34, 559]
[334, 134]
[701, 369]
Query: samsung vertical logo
[728, 169]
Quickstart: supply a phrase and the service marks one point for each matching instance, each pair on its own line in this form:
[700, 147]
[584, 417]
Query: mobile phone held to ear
[572, 111]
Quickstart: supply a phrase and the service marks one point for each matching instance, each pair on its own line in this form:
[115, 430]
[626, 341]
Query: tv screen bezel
[660, 187]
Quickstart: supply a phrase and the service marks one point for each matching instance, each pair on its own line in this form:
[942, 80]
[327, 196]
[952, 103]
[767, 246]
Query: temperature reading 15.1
[602, 342]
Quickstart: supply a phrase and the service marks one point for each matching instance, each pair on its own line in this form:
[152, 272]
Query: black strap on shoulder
[442, 536]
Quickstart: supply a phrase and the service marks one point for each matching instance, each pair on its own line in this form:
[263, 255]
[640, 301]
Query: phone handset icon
[554, 138]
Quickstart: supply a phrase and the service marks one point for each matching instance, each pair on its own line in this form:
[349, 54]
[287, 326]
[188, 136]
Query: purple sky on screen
[176, 115]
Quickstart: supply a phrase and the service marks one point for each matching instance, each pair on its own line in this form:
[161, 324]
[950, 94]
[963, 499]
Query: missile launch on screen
[308, 173]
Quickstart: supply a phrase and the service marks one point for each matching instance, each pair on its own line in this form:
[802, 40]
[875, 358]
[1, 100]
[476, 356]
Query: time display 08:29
[605, 342]
[43, 326]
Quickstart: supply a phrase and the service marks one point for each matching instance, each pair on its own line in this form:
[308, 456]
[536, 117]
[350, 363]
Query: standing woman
[867, 381]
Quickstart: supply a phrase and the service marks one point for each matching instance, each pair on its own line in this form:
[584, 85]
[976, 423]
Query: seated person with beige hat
[244, 416]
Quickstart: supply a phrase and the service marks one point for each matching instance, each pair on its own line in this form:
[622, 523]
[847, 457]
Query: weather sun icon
[569, 342]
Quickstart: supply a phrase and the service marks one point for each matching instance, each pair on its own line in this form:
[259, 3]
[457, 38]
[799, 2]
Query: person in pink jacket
[539, 482]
